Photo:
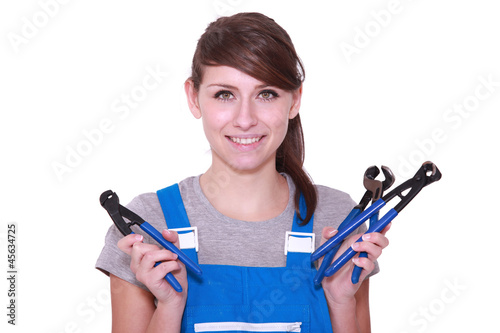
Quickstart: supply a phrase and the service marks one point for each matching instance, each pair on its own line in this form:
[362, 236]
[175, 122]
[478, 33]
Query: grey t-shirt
[223, 240]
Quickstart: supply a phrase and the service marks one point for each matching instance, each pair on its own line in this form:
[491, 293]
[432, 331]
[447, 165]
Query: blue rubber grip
[353, 225]
[347, 255]
[356, 272]
[328, 258]
[171, 247]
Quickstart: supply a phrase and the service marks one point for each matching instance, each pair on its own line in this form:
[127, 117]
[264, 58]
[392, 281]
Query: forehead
[228, 76]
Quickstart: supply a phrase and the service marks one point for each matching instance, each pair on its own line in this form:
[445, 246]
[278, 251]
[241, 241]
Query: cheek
[214, 123]
[278, 120]
[215, 120]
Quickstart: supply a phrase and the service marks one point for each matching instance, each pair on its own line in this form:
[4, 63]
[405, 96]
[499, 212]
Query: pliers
[426, 175]
[377, 188]
[110, 202]
[374, 189]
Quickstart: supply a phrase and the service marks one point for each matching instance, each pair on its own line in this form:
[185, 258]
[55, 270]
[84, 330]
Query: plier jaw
[110, 202]
[427, 174]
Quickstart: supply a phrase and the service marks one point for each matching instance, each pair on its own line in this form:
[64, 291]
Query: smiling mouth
[245, 141]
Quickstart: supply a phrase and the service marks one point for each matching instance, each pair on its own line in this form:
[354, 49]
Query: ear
[192, 98]
[296, 98]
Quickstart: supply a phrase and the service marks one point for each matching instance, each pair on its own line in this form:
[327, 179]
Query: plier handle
[426, 175]
[110, 202]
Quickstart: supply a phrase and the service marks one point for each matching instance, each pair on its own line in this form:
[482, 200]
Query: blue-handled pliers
[377, 188]
[426, 175]
[109, 201]
[374, 189]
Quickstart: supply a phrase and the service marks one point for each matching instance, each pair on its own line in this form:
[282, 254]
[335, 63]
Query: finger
[366, 264]
[376, 238]
[327, 233]
[163, 269]
[139, 249]
[150, 258]
[156, 275]
[126, 243]
[171, 236]
[373, 251]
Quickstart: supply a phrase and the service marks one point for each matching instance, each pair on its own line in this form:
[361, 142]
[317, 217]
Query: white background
[66, 66]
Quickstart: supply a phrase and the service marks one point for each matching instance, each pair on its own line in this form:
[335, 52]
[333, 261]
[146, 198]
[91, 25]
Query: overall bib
[249, 299]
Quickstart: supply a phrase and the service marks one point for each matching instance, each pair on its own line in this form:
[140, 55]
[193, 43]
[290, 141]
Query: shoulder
[332, 208]
[329, 196]
[333, 203]
[148, 202]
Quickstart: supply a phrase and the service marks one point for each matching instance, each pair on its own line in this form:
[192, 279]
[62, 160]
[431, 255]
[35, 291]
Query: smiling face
[245, 120]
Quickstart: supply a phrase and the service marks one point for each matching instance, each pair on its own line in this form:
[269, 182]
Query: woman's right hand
[144, 257]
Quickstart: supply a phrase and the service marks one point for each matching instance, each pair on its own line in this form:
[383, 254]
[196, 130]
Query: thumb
[171, 236]
[327, 233]
[126, 243]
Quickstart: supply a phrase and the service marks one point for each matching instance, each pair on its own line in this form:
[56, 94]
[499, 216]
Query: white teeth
[245, 141]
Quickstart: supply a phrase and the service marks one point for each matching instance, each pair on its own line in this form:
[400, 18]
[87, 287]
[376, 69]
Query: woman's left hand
[338, 287]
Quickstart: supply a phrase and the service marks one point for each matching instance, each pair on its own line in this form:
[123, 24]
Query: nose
[245, 116]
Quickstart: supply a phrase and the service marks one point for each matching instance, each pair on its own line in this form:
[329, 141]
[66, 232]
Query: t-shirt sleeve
[114, 261]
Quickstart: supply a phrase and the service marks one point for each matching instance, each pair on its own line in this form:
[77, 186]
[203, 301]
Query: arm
[348, 304]
[353, 316]
[133, 308]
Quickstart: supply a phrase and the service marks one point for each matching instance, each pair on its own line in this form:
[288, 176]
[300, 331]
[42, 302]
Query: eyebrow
[228, 86]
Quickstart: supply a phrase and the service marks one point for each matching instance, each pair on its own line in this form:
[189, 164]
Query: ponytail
[290, 160]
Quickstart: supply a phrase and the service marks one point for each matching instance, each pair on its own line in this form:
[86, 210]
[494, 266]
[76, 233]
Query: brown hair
[256, 45]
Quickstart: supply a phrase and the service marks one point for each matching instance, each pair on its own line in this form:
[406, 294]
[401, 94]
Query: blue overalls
[249, 299]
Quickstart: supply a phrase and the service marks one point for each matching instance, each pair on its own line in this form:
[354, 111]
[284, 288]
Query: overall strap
[175, 214]
[301, 259]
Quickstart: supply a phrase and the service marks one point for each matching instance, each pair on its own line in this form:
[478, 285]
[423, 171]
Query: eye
[268, 95]
[224, 95]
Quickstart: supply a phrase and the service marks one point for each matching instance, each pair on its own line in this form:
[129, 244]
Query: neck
[250, 196]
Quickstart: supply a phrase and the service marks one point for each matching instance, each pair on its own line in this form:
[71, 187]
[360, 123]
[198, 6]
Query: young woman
[246, 87]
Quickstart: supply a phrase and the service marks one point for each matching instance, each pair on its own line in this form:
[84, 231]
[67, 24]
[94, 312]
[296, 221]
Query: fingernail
[332, 232]
[367, 236]
[138, 237]
[355, 246]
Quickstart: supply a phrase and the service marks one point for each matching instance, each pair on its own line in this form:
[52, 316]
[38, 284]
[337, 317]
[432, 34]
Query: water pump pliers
[426, 175]
[374, 189]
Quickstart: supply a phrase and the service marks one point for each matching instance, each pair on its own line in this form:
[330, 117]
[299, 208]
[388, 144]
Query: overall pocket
[228, 326]
[237, 318]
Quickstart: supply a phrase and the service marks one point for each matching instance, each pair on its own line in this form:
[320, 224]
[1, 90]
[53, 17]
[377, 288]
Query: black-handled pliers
[109, 201]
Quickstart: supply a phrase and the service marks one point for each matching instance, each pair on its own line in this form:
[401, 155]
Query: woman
[246, 87]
